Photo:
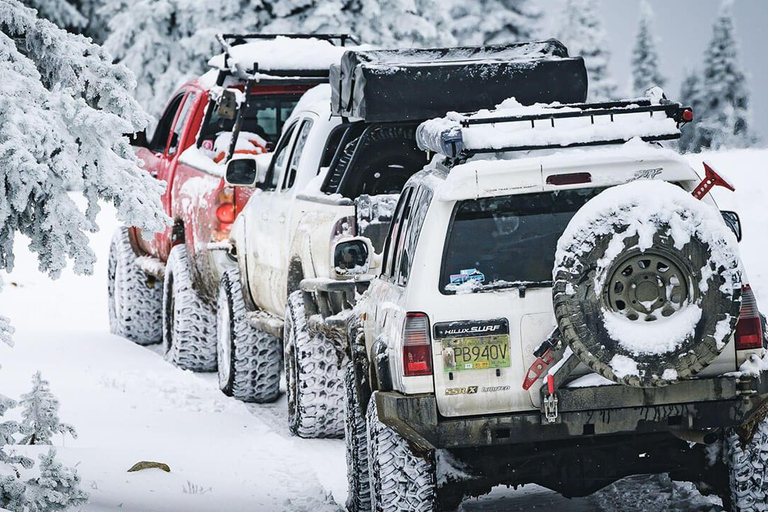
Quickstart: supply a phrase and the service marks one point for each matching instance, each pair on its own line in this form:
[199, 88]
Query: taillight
[225, 213]
[749, 328]
[417, 345]
[344, 227]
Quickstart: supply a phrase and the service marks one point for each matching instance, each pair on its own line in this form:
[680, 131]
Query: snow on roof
[526, 171]
[316, 99]
[282, 53]
[543, 132]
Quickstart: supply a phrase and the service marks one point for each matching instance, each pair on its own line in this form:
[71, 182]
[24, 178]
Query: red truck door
[160, 161]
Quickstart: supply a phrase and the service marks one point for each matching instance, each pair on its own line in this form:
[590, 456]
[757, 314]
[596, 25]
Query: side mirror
[226, 107]
[139, 139]
[733, 221]
[248, 170]
[352, 256]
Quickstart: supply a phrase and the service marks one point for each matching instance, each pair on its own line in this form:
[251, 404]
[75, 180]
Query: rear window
[501, 242]
[264, 117]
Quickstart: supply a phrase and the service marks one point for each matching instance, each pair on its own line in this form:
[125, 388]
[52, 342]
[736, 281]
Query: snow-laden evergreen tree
[645, 56]
[57, 488]
[579, 26]
[725, 120]
[64, 110]
[690, 95]
[63, 13]
[40, 413]
[511, 21]
[400, 23]
[12, 489]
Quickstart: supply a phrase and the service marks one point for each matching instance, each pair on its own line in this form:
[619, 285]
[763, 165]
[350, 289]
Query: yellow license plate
[476, 353]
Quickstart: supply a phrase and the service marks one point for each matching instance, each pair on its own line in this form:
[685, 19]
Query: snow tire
[248, 359]
[314, 377]
[400, 479]
[601, 248]
[359, 494]
[748, 470]
[135, 299]
[189, 337]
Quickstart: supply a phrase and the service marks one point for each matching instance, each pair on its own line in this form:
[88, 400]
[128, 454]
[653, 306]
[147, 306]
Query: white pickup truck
[559, 315]
[327, 179]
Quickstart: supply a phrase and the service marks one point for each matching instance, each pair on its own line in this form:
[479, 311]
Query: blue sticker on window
[468, 274]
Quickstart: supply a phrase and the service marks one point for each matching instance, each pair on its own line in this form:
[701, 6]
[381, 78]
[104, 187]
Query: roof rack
[490, 131]
[342, 39]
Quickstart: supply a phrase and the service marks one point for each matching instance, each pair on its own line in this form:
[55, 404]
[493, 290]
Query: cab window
[280, 158]
[163, 130]
[395, 231]
[411, 230]
[181, 121]
[298, 150]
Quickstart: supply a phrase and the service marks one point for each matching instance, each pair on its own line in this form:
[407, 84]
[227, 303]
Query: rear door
[159, 158]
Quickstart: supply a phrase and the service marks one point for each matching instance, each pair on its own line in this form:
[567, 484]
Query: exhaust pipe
[706, 437]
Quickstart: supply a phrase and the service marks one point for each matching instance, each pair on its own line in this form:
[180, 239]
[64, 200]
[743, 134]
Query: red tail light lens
[417, 346]
[749, 329]
[225, 213]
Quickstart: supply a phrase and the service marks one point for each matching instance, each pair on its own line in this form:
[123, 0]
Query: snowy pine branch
[64, 110]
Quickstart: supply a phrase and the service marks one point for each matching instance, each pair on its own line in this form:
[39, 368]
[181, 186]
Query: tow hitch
[550, 401]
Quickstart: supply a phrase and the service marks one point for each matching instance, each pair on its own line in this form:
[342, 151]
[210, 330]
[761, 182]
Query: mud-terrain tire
[748, 470]
[248, 359]
[359, 493]
[400, 479]
[629, 300]
[314, 377]
[135, 299]
[189, 324]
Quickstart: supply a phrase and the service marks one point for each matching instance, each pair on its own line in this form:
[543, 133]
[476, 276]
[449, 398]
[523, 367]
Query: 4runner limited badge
[474, 345]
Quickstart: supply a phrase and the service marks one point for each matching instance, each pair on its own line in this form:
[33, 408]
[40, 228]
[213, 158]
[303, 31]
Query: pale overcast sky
[684, 28]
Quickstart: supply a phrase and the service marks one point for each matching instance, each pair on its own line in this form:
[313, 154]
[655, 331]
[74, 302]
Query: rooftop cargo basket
[417, 84]
[300, 58]
[512, 127]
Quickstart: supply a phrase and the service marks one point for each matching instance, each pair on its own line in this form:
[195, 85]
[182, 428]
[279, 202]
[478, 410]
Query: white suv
[474, 360]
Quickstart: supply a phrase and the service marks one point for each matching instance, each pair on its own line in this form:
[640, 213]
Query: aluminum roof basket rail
[299, 58]
[514, 127]
[418, 84]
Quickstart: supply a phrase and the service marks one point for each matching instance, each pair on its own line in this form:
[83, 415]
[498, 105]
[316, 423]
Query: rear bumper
[698, 404]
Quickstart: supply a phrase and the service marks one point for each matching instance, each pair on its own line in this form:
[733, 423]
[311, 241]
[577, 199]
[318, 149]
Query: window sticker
[467, 274]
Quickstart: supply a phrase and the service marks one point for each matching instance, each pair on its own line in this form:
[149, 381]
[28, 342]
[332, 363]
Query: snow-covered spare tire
[647, 288]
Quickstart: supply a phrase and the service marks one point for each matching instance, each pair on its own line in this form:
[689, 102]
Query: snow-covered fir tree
[512, 21]
[57, 488]
[725, 120]
[579, 26]
[64, 110]
[40, 413]
[63, 13]
[690, 95]
[402, 23]
[645, 56]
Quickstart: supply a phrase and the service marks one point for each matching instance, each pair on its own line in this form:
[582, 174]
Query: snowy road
[129, 405]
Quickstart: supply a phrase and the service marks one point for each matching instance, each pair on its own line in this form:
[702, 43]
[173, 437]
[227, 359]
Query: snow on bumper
[690, 405]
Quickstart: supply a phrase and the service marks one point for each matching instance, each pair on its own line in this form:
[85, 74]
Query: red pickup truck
[163, 286]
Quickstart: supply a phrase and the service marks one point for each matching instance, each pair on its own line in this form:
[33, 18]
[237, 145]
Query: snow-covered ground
[129, 405]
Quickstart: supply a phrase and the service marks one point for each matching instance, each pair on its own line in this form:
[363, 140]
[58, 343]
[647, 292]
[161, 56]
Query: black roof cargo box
[418, 84]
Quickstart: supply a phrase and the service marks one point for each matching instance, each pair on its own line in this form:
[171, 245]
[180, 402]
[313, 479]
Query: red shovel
[711, 180]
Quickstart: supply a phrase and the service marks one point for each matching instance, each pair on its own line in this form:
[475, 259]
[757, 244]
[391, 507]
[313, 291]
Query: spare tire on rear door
[647, 288]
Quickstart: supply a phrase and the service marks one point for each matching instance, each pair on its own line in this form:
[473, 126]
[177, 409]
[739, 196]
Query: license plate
[476, 353]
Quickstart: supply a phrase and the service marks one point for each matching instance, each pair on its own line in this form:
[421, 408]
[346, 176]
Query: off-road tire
[359, 494]
[748, 470]
[189, 324]
[248, 359]
[588, 254]
[314, 377]
[135, 299]
[400, 479]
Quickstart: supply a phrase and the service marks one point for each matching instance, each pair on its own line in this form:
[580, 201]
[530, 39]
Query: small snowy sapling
[41, 414]
[57, 487]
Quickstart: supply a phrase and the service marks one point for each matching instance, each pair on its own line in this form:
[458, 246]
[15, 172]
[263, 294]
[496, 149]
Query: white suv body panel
[531, 318]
